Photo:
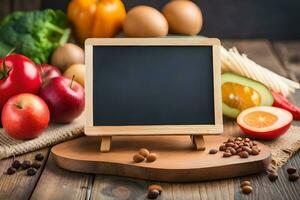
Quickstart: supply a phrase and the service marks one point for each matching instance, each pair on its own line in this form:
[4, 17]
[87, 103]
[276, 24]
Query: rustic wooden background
[272, 19]
[54, 183]
[275, 19]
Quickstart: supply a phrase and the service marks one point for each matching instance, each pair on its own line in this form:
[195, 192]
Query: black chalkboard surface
[153, 85]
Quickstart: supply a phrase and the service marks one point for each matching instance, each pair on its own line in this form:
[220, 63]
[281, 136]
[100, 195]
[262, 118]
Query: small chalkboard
[153, 86]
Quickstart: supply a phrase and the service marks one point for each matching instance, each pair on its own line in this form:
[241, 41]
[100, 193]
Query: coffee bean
[16, 164]
[31, 171]
[144, 152]
[39, 157]
[273, 176]
[229, 144]
[138, 158]
[248, 149]
[25, 164]
[254, 143]
[213, 151]
[11, 170]
[291, 170]
[247, 189]
[36, 165]
[244, 183]
[244, 154]
[153, 194]
[226, 154]
[247, 140]
[155, 187]
[293, 177]
[222, 147]
[152, 157]
[239, 139]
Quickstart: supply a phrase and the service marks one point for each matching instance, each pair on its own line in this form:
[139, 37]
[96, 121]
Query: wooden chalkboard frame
[195, 130]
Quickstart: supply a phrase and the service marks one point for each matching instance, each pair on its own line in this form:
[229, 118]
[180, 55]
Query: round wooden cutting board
[177, 161]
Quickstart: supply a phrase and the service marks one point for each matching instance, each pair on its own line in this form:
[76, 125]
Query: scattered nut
[232, 150]
[255, 151]
[222, 147]
[155, 187]
[273, 176]
[153, 194]
[138, 158]
[248, 149]
[291, 170]
[244, 183]
[11, 170]
[36, 165]
[229, 144]
[16, 164]
[144, 152]
[25, 164]
[247, 189]
[31, 171]
[39, 157]
[152, 157]
[226, 154]
[213, 151]
[293, 177]
[244, 154]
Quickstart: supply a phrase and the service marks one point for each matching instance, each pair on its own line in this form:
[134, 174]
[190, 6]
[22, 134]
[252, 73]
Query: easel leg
[105, 144]
[198, 141]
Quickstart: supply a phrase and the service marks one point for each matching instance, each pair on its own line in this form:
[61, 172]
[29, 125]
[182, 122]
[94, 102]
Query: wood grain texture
[19, 185]
[272, 19]
[5, 8]
[262, 52]
[110, 187]
[56, 183]
[289, 55]
[248, 14]
[21, 5]
[177, 160]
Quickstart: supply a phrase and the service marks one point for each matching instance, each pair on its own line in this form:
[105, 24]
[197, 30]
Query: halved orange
[264, 122]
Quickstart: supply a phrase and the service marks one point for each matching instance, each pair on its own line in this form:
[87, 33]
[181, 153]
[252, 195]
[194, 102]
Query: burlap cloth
[53, 135]
[282, 148]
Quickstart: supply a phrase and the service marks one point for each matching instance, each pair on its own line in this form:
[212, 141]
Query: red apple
[25, 116]
[49, 71]
[65, 99]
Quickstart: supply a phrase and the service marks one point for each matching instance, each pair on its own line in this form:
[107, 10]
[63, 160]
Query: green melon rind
[266, 96]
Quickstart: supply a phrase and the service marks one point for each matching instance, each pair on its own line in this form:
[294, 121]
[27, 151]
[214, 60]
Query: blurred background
[272, 19]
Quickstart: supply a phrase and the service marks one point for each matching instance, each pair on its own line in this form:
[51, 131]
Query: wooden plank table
[54, 183]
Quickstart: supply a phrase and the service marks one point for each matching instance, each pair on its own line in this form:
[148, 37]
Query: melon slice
[240, 93]
[264, 122]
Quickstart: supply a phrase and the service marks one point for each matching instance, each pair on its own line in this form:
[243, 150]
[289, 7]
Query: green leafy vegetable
[35, 34]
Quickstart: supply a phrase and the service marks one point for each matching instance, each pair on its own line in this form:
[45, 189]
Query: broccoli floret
[35, 34]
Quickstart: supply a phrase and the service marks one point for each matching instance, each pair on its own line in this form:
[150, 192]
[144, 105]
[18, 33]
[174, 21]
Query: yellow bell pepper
[96, 18]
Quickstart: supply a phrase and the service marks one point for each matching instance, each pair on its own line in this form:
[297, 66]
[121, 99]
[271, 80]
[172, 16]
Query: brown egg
[184, 17]
[145, 21]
